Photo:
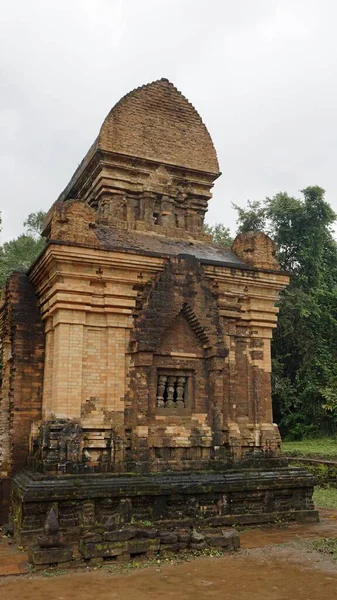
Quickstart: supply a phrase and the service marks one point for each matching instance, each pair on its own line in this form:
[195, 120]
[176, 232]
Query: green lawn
[325, 448]
[325, 497]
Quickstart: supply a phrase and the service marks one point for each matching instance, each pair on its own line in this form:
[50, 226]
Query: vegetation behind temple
[305, 342]
[20, 253]
[304, 348]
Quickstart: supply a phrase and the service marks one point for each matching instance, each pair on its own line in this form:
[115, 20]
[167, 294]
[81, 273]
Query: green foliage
[20, 253]
[145, 523]
[301, 229]
[252, 218]
[221, 235]
[304, 350]
[34, 223]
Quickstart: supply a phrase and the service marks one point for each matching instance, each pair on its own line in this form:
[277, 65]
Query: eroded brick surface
[22, 353]
[22, 360]
[257, 249]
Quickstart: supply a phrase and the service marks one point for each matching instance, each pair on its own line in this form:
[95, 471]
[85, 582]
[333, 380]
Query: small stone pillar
[50, 549]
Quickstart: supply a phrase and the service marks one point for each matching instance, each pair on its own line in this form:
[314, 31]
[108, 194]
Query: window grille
[171, 391]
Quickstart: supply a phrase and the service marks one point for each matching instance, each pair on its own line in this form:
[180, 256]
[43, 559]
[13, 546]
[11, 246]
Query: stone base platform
[96, 503]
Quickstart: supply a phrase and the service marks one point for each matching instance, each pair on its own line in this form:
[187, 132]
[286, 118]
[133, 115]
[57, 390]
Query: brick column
[47, 402]
[66, 398]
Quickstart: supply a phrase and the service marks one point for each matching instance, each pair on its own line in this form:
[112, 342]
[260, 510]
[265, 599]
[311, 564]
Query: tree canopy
[34, 223]
[20, 253]
[304, 348]
[221, 235]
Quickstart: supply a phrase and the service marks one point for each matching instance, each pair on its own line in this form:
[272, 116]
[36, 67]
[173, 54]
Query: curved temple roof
[157, 122]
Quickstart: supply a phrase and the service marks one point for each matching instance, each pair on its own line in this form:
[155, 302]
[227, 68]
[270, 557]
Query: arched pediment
[180, 290]
[183, 335]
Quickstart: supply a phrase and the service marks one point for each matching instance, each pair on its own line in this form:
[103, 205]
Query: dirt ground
[273, 573]
[274, 564]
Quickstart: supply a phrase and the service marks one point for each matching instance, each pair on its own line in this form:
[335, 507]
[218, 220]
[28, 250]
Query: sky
[261, 73]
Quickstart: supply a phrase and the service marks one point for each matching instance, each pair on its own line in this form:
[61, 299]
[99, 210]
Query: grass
[326, 546]
[324, 448]
[160, 560]
[325, 497]
[53, 572]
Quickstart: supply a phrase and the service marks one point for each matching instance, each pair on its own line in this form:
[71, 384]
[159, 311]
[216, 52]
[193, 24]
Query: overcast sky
[262, 74]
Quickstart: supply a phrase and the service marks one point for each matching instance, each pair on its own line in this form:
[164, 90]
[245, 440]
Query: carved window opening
[172, 391]
[156, 218]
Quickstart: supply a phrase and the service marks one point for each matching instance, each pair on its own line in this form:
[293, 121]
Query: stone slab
[102, 549]
[49, 556]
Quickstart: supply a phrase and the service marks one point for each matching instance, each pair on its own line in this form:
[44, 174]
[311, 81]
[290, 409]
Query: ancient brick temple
[136, 369]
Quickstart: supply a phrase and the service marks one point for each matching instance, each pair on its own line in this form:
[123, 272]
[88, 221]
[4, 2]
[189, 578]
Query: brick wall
[22, 351]
[178, 331]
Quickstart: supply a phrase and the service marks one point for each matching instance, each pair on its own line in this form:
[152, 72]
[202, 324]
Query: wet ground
[264, 568]
[295, 532]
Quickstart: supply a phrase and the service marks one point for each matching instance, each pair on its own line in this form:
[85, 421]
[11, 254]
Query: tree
[304, 348]
[220, 234]
[34, 223]
[252, 218]
[20, 253]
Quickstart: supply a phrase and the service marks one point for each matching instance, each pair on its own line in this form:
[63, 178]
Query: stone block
[123, 557]
[120, 535]
[184, 536]
[93, 537]
[140, 546]
[233, 538]
[147, 533]
[182, 545]
[168, 537]
[173, 547]
[49, 556]
[95, 562]
[102, 549]
[217, 540]
[198, 546]
[196, 537]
